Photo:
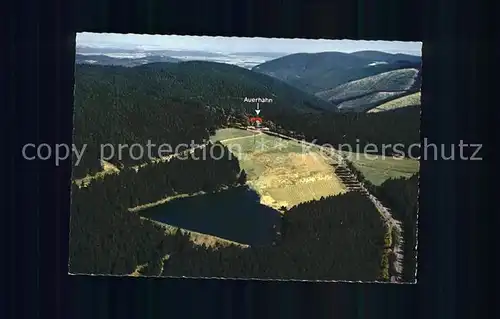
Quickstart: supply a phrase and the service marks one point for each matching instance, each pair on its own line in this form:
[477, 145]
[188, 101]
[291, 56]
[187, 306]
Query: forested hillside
[169, 103]
[379, 88]
[116, 105]
[226, 85]
[336, 238]
[393, 81]
[106, 238]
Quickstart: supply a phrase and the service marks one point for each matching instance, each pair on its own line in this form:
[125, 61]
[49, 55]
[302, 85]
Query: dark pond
[235, 214]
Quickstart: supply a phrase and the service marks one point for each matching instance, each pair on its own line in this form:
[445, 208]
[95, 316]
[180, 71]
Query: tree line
[400, 126]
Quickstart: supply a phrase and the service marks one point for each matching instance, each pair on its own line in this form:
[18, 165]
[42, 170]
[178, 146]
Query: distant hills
[139, 56]
[140, 50]
[388, 57]
[128, 62]
[316, 72]
[263, 54]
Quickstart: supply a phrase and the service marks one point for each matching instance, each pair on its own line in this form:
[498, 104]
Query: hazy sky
[234, 44]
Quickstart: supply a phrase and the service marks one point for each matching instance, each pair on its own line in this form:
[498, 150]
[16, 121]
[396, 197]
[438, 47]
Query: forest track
[353, 184]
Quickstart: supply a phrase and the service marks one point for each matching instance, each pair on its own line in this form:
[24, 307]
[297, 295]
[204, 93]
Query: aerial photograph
[245, 158]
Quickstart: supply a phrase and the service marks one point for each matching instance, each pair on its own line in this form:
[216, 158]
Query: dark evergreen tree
[242, 179]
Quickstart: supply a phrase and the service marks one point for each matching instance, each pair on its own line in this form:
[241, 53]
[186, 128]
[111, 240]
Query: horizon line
[414, 53]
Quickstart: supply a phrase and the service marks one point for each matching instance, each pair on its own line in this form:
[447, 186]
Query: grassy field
[380, 169]
[229, 133]
[412, 99]
[280, 170]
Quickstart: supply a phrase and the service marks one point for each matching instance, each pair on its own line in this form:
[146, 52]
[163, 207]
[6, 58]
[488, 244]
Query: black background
[455, 263]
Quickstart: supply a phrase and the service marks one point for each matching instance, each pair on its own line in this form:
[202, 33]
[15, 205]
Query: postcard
[245, 158]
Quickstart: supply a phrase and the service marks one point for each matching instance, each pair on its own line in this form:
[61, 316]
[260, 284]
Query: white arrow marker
[257, 110]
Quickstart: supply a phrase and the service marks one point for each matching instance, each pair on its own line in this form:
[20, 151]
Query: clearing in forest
[377, 169]
[283, 172]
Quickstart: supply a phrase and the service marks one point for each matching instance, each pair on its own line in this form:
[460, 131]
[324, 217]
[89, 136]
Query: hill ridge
[316, 72]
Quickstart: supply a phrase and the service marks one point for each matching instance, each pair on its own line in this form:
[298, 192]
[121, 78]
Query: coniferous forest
[400, 126]
[340, 237]
[105, 237]
[401, 195]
